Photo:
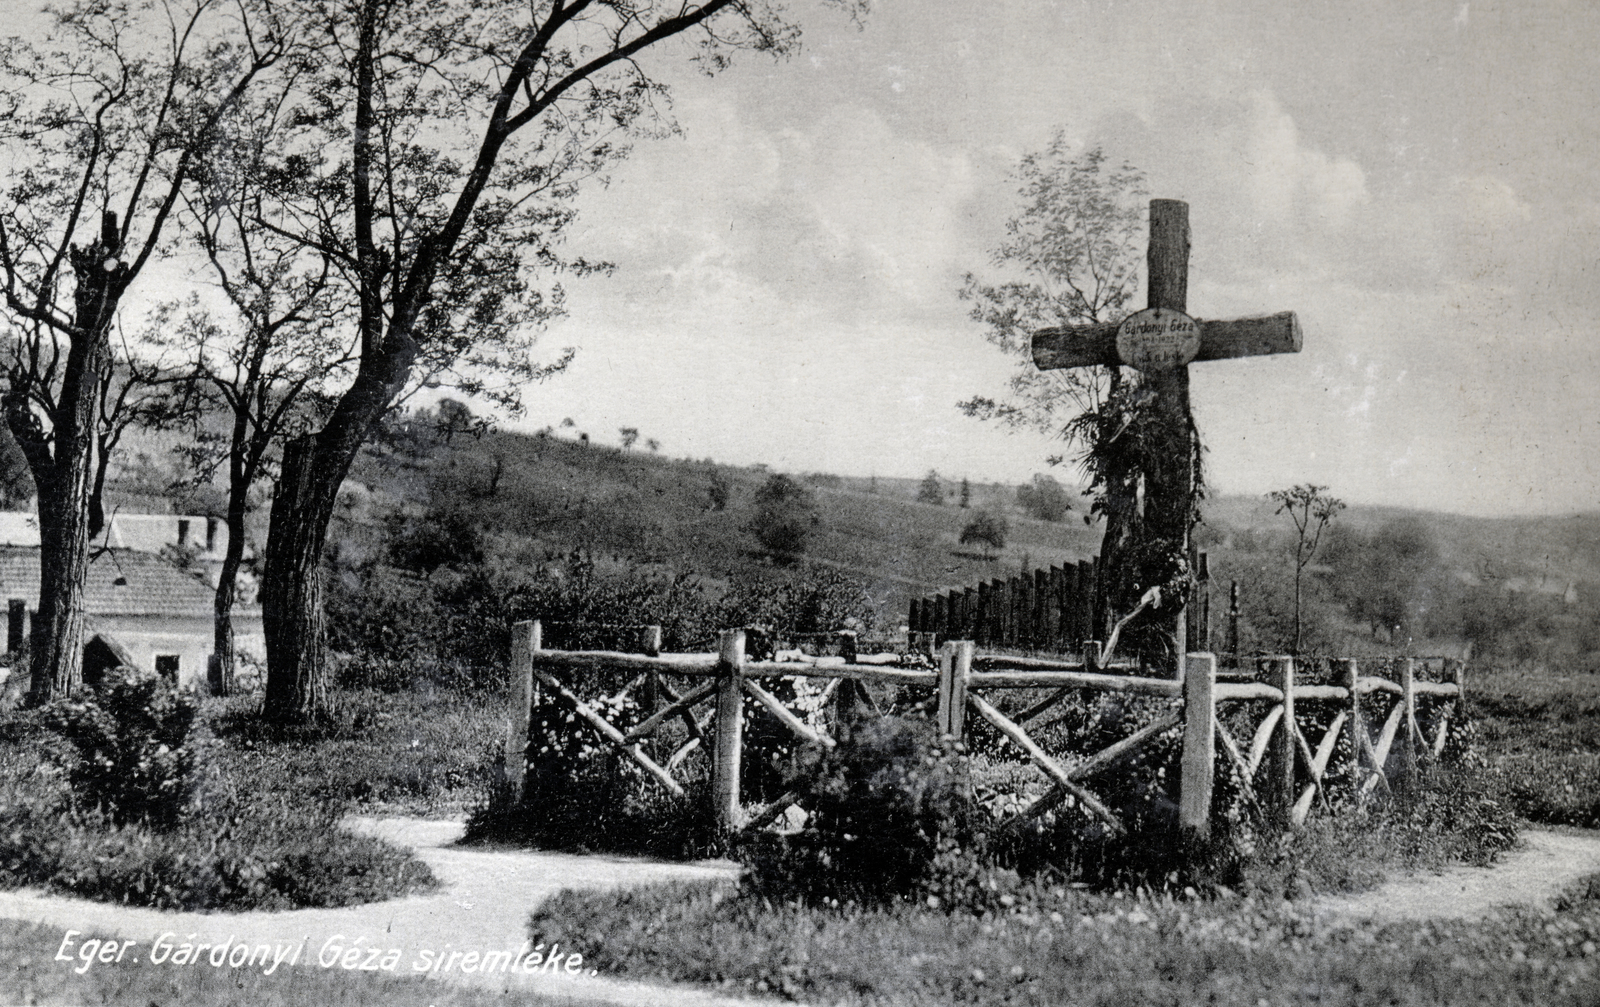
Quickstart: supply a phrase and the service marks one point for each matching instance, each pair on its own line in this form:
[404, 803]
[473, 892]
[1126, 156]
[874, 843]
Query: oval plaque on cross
[1158, 339]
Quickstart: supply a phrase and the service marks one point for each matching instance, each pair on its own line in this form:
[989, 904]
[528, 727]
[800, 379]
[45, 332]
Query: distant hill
[555, 494]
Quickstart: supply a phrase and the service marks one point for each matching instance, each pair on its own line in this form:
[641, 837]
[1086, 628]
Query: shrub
[785, 515]
[892, 817]
[235, 857]
[582, 794]
[132, 760]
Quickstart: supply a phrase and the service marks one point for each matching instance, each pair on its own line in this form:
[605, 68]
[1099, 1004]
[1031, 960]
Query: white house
[141, 606]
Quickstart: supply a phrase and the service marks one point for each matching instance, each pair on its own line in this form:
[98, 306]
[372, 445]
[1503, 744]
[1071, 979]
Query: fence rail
[1279, 772]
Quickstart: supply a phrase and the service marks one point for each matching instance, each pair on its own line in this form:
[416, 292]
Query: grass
[419, 752]
[1541, 733]
[33, 975]
[1084, 949]
[263, 832]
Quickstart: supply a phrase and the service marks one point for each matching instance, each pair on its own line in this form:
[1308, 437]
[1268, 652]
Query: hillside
[639, 507]
[545, 496]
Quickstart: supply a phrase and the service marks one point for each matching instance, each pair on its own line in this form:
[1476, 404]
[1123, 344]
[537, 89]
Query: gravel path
[481, 907]
[486, 895]
[1534, 874]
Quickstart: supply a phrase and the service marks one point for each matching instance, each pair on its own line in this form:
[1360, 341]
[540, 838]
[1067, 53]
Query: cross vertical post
[1170, 480]
[1161, 341]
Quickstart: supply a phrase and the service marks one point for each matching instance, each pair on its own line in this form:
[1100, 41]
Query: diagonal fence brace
[608, 732]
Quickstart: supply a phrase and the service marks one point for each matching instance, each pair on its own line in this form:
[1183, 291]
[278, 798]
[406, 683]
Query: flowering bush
[132, 761]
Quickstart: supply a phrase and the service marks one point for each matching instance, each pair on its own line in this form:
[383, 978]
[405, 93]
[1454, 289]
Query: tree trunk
[314, 468]
[62, 463]
[291, 590]
[224, 657]
[57, 642]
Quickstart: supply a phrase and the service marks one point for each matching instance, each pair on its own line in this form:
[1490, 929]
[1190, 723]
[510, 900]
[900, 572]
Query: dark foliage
[785, 515]
[987, 529]
[132, 760]
[891, 814]
[1044, 499]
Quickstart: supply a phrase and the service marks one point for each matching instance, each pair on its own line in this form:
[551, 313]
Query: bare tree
[103, 123]
[1310, 508]
[260, 363]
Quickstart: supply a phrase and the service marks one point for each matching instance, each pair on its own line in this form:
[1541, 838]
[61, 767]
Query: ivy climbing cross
[1161, 342]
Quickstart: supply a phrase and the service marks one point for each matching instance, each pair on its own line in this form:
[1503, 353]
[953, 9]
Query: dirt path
[481, 907]
[1534, 874]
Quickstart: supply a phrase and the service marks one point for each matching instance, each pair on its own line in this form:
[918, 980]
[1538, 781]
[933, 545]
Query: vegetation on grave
[111, 796]
[950, 914]
[581, 793]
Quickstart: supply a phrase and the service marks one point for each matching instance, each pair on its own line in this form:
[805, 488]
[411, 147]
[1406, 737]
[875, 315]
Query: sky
[1415, 179]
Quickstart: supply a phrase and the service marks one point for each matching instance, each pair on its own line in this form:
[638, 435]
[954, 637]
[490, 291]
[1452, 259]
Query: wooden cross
[1162, 341]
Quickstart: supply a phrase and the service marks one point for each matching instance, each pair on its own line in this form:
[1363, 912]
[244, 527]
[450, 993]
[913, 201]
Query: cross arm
[1085, 345]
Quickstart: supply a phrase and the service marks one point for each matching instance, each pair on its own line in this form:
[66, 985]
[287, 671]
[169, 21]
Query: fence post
[1233, 624]
[847, 645]
[727, 810]
[650, 641]
[1041, 609]
[955, 664]
[1349, 675]
[1086, 587]
[1199, 745]
[1458, 675]
[524, 641]
[1408, 723]
[1280, 781]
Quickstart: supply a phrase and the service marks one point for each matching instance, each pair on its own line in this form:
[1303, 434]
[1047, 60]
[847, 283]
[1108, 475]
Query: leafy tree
[263, 359]
[987, 529]
[1390, 579]
[1310, 509]
[105, 122]
[1044, 499]
[630, 437]
[455, 417]
[785, 515]
[442, 536]
[931, 490]
[431, 154]
[1071, 256]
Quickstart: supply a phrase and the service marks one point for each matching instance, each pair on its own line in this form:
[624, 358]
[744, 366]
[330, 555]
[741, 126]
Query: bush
[132, 761]
[785, 515]
[583, 795]
[892, 817]
[234, 858]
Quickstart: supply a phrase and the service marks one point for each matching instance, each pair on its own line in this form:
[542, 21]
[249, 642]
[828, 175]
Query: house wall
[187, 638]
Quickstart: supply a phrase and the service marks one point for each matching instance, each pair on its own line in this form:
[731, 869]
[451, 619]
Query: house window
[167, 666]
[183, 532]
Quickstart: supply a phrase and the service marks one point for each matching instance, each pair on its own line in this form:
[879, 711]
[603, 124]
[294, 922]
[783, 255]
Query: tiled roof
[120, 582]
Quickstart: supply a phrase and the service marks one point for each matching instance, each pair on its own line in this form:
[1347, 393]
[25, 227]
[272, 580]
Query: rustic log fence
[1387, 723]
